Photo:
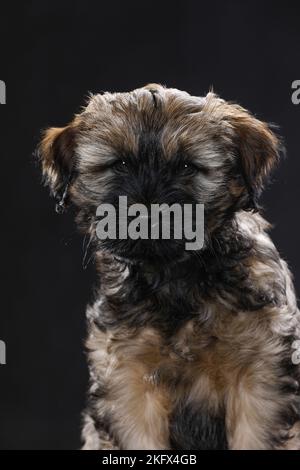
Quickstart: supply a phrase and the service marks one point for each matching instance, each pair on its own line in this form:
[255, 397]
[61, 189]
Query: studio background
[52, 54]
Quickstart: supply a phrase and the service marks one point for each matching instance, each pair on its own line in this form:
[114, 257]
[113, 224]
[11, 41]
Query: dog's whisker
[85, 260]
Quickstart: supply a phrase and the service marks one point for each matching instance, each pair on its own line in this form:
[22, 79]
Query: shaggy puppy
[187, 349]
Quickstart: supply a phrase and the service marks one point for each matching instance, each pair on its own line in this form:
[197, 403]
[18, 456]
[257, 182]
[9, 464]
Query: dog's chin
[158, 253]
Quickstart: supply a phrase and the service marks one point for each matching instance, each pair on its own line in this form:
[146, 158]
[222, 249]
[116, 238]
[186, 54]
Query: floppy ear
[56, 153]
[258, 149]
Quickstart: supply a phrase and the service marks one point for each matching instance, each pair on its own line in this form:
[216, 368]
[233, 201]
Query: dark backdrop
[52, 54]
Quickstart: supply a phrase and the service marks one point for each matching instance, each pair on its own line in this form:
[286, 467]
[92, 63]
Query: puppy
[186, 349]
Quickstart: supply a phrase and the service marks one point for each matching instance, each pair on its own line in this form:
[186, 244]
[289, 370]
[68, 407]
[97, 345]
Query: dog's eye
[119, 164]
[194, 168]
[189, 167]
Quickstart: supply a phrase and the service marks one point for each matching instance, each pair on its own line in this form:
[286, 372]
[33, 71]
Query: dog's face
[158, 145]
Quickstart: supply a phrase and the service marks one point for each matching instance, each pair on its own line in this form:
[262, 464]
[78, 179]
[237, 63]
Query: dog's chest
[172, 390]
[175, 363]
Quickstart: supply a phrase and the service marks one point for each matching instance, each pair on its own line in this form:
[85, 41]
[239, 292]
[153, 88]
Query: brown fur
[230, 353]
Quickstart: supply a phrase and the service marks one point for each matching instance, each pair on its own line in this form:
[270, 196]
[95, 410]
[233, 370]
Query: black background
[52, 54]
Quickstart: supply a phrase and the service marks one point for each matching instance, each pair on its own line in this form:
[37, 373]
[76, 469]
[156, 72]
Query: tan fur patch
[229, 364]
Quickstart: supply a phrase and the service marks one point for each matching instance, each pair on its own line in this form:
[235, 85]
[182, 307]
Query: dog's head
[158, 145]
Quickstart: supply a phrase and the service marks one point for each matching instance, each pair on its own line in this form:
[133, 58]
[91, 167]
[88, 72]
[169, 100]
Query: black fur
[196, 428]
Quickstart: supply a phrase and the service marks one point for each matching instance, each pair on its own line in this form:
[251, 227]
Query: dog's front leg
[93, 438]
[258, 414]
[140, 418]
[126, 398]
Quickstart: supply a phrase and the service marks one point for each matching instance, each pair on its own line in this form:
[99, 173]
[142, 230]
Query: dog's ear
[56, 154]
[257, 147]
